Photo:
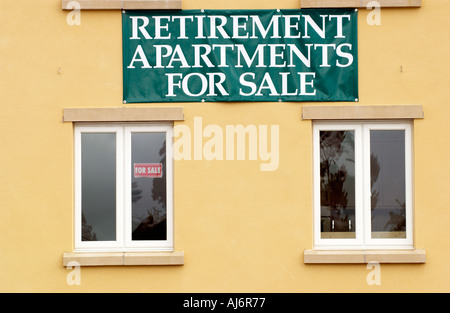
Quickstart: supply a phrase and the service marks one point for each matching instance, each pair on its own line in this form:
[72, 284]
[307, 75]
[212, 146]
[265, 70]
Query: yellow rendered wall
[241, 229]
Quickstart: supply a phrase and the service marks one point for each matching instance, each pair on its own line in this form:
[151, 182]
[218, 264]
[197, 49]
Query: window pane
[337, 184]
[98, 183]
[148, 158]
[387, 170]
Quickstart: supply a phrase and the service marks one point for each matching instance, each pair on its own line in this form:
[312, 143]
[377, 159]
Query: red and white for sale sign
[153, 170]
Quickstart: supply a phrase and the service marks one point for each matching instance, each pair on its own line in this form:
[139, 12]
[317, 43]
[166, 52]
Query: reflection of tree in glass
[397, 222]
[374, 173]
[333, 177]
[154, 227]
[159, 185]
[86, 233]
[136, 193]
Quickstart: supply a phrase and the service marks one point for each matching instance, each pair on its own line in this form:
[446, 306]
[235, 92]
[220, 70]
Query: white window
[362, 185]
[123, 187]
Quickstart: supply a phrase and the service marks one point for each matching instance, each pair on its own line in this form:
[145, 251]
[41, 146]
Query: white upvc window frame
[123, 242]
[363, 238]
[154, 245]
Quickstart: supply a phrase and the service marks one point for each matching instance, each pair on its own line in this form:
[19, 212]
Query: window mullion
[127, 187]
[120, 186]
[367, 190]
[169, 187]
[360, 186]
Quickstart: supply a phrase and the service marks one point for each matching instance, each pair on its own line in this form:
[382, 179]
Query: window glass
[98, 172]
[387, 170]
[337, 184]
[148, 184]
[123, 187]
[363, 185]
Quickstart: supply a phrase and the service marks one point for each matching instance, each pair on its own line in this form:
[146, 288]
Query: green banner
[240, 55]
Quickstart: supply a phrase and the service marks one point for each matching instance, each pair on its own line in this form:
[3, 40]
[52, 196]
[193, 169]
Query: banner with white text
[240, 55]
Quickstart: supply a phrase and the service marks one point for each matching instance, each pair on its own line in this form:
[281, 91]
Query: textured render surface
[241, 229]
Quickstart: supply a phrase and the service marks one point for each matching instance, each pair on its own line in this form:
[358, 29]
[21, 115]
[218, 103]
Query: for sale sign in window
[148, 170]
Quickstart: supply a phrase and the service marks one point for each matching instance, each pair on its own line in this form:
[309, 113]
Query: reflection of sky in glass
[387, 148]
[145, 148]
[98, 172]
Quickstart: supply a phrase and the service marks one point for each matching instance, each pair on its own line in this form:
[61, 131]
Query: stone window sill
[364, 256]
[122, 258]
[123, 4]
[360, 3]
